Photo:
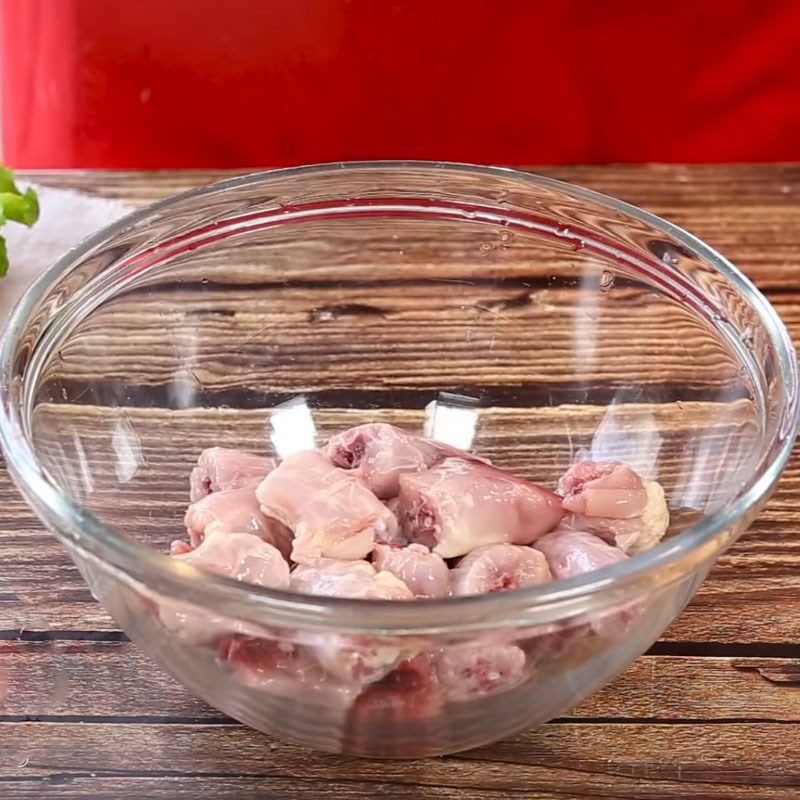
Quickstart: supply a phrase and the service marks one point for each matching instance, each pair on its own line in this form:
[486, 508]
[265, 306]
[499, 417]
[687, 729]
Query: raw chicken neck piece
[425, 573]
[459, 505]
[609, 499]
[357, 579]
[234, 511]
[379, 454]
[241, 556]
[330, 510]
[570, 553]
[602, 489]
[498, 568]
[220, 469]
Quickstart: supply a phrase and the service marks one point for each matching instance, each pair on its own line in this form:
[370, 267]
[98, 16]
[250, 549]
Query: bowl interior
[527, 320]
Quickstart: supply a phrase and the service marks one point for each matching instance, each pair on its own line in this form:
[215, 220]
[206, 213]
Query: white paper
[66, 217]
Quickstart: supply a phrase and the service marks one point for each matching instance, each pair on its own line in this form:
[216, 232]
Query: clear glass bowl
[566, 322]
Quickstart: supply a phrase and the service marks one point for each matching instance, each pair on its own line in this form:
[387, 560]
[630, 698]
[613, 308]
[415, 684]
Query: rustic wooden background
[711, 711]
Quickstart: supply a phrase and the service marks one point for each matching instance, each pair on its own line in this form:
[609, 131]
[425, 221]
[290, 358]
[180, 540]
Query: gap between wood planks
[671, 648]
[151, 719]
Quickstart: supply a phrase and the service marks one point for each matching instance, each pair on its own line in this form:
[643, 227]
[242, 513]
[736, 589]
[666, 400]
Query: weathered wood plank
[135, 786]
[93, 680]
[727, 761]
[747, 211]
[550, 342]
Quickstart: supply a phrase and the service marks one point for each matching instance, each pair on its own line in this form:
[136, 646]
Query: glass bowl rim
[535, 605]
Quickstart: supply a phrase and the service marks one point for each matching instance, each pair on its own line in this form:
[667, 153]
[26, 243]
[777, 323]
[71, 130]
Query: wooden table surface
[712, 711]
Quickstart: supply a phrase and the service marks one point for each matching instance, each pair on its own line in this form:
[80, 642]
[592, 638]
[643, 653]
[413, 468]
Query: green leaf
[22, 208]
[7, 181]
[3, 257]
[14, 206]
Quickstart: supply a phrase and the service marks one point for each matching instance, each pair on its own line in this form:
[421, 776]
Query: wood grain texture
[287, 338]
[61, 680]
[718, 721]
[644, 760]
[748, 212]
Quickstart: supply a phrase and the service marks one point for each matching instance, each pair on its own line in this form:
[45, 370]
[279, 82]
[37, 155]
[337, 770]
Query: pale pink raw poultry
[409, 696]
[359, 579]
[284, 671]
[459, 505]
[235, 511]
[602, 489]
[425, 573]
[379, 454]
[570, 553]
[347, 658]
[497, 568]
[179, 548]
[329, 509]
[241, 556]
[609, 499]
[220, 469]
[397, 538]
[467, 673]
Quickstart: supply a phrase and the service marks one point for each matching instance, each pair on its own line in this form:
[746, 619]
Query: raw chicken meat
[602, 489]
[397, 538]
[179, 548]
[570, 553]
[497, 568]
[653, 522]
[329, 509]
[459, 505]
[408, 699]
[241, 556]
[251, 516]
[467, 673]
[357, 579]
[349, 658]
[235, 511]
[379, 453]
[425, 573]
[220, 469]
[609, 499]
[286, 672]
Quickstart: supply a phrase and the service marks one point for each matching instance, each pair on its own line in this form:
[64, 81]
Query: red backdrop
[191, 83]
